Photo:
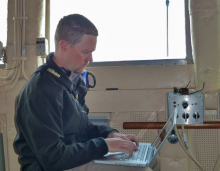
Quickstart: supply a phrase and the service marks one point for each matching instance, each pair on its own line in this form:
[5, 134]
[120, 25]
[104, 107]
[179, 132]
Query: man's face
[78, 57]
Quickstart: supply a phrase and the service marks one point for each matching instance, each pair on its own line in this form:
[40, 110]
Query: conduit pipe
[23, 72]
[17, 51]
[20, 50]
[23, 39]
[33, 24]
[11, 80]
[9, 74]
[19, 46]
[205, 32]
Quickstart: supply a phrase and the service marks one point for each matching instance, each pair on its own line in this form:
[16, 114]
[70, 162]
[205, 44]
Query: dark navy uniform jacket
[54, 132]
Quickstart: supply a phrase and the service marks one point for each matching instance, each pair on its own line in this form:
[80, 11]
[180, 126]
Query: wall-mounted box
[190, 108]
[41, 46]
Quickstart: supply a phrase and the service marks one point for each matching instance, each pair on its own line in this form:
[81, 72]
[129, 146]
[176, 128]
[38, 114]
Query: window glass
[128, 29]
[3, 21]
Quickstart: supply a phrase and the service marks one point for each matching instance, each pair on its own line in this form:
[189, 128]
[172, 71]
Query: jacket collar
[61, 74]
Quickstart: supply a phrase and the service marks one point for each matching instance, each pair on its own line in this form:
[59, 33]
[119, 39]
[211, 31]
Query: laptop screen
[165, 131]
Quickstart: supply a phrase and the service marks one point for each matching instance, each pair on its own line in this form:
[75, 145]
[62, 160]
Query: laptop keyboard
[137, 155]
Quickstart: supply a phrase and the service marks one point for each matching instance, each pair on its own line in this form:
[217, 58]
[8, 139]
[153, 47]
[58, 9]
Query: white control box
[41, 47]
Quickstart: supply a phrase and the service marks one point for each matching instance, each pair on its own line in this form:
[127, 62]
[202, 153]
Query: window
[132, 32]
[3, 21]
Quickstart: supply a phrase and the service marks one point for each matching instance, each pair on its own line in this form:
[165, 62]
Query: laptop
[146, 151]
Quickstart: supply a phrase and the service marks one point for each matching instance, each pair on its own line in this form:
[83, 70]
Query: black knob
[185, 104]
[185, 115]
[196, 115]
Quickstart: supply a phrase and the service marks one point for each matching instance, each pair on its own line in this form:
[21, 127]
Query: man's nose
[90, 59]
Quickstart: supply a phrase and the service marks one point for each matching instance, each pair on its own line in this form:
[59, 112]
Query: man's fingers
[121, 145]
[133, 138]
[135, 148]
[129, 137]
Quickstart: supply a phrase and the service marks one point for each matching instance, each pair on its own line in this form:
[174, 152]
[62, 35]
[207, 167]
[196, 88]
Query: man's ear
[63, 45]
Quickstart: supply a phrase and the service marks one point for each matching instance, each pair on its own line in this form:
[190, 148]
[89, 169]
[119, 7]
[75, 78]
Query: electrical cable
[15, 81]
[217, 165]
[23, 35]
[183, 133]
[187, 84]
[11, 68]
[7, 76]
[182, 145]
[19, 45]
[4, 55]
[188, 152]
[14, 74]
[198, 90]
[12, 79]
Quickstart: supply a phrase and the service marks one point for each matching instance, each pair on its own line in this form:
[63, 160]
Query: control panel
[190, 107]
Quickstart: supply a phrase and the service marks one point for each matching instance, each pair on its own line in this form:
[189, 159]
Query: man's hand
[122, 143]
[128, 137]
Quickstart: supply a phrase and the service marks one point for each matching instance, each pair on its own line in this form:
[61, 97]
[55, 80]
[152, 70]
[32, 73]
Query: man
[54, 132]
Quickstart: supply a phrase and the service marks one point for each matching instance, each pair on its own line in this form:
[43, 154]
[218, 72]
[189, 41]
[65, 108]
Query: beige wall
[140, 88]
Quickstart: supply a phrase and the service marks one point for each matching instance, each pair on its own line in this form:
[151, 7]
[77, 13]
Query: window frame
[187, 60]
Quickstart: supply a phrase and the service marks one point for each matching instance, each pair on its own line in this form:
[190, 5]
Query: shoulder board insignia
[53, 72]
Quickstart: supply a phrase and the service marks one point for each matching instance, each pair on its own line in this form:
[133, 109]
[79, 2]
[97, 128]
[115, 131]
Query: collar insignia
[53, 72]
